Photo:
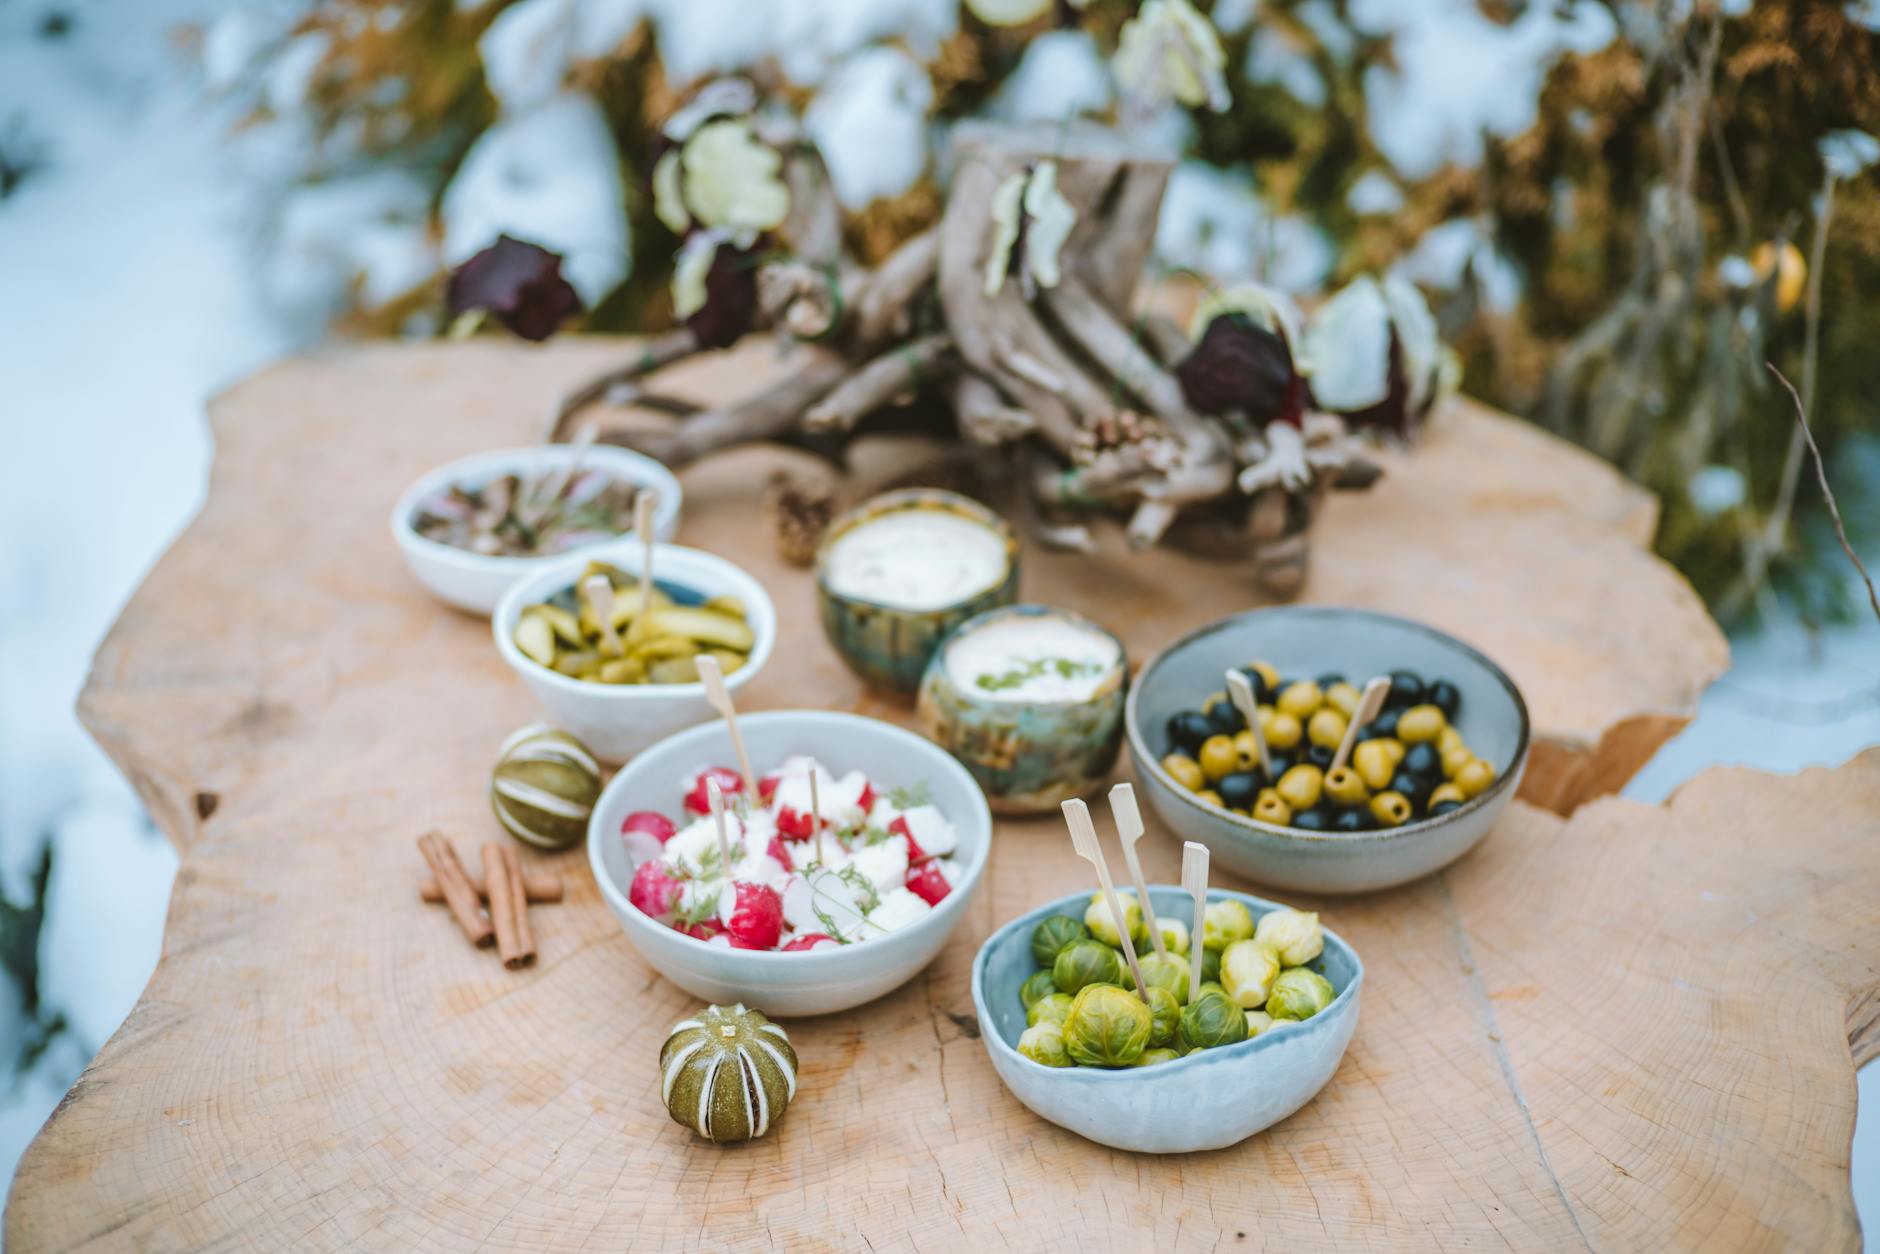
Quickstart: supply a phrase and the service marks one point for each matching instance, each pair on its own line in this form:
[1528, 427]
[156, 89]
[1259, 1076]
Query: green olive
[1344, 788]
[1217, 758]
[1373, 763]
[1390, 808]
[1184, 770]
[1327, 728]
[1267, 673]
[1394, 747]
[1455, 759]
[1475, 778]
[1344, 698]
[1283, 731]
[1271, 809]
[1420, 723]
[1300, 699]
[1211, 797]
[1246, 751]
[1446, 792]
[1449, 738]
[1300, 787]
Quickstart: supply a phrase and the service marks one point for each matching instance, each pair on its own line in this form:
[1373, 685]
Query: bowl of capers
[1346, 798]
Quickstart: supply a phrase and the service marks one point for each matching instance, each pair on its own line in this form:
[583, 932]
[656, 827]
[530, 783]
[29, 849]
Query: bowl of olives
[1424, 780]
[1155, 1071]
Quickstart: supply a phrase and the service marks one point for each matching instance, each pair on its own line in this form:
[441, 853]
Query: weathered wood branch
[892, 374]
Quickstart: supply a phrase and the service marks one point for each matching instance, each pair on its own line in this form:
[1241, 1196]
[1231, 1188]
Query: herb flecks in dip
[1032, 657]
[915, 559]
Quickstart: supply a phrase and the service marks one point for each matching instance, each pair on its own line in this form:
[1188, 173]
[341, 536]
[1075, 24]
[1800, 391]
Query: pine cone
[799, 511]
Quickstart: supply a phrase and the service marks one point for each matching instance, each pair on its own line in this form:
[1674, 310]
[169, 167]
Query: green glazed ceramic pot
[887, 646]
[1028, 755]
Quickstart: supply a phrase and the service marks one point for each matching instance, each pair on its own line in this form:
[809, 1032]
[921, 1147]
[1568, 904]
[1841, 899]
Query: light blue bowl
[1210, 1099]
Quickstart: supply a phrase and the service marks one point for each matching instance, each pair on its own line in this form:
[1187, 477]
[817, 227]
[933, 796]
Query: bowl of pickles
[1347, 798]
[621, 684]
[1155, 1070]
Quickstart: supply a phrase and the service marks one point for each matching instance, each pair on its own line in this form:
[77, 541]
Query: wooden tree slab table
[1620, 1027]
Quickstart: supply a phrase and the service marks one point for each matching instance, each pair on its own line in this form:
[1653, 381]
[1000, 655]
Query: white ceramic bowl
[476, 581]
[1209, 1099]
[1312, 640]
[819, 981]
[615, 721]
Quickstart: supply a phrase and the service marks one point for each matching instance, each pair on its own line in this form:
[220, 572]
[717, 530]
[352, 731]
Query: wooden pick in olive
[727, 1073]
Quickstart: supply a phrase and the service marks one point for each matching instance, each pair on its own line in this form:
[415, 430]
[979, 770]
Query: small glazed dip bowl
[1209, 1099]
[901, 570]
[1030, 699]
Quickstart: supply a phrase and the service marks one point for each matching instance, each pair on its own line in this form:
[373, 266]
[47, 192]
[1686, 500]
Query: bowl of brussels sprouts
[1155, 1071]
[1426, 777]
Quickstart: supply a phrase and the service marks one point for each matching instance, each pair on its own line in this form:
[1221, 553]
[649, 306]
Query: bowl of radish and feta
[784, 913]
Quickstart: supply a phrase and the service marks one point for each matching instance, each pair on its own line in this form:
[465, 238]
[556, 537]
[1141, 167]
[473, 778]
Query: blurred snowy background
[157, 243]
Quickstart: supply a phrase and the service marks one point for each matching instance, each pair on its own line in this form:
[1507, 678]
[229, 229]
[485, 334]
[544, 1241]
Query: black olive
[1313, 820]
[1240, 790]
[1444, 807]
[1406, 689]
[1262, 693]
[1444, 696]
[1187, 730]
[1416, 788]
[1355, 819]
[1225, 716]
[1329, 678]
[1385, 724]
[1281, 764]
[1422, 761]
[1321, 756]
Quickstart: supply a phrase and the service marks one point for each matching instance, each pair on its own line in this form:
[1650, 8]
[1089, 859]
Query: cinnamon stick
[456, 887]
[508, 911]
[537, 888]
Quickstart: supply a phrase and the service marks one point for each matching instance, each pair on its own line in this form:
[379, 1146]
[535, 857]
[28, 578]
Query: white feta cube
[897, 909]
[883, 865]
[931, 831]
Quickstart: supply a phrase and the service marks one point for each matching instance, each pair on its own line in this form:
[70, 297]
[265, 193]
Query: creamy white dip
[915, 559]
[1031, 657]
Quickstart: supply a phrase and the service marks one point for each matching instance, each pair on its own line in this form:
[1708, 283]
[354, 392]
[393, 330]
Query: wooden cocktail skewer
[582, 442]
[1195, 880]
[1240, 691]
[1129, 830]
[1368, 705]
[715, 798]
[815, 812]
[643, 527]
[713, 677]
[599, 592]
[1084, 840]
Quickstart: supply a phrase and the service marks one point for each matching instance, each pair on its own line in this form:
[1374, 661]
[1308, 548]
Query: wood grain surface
[1629, 1028]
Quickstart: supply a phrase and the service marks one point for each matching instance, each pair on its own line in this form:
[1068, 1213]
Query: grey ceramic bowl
[1311, 640]
[1028, 755]
[887, 646]
[1210, 1099]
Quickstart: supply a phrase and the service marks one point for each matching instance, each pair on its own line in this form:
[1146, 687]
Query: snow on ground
[140, 279]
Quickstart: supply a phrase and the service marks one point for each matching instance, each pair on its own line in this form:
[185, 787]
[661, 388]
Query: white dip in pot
[1031, 657]
[915, 559]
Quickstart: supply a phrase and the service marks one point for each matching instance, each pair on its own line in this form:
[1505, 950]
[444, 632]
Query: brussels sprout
[1299, 993]
[1052, 1009]
[1258, 1021]
[1248, 969]
[1165, 1015]
[1295, 935]
[1211, 986]
[1102, 925]
[1150, 1057]
[1210, 966]
[1225, 922]
[1044, 1043]
[1052, 935]
[1037, 985]
[1085, 962]
[1169, 971]
[1174, 934]
[1212, 1020]
[1107, 1027]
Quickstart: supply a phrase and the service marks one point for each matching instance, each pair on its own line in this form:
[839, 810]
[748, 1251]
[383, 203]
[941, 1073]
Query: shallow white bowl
[1209, 1099]
[819, 981]
[615, 721]
[476, 581]
[1309, 640]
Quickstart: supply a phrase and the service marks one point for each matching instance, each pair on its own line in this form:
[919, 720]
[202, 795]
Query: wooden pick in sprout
[713, 677]
[1195, 881]
[1084, 841]
[599, 592]
[1240, 692]
[715, 798]
[1128, 818]
[643, 504]
[1368, 705]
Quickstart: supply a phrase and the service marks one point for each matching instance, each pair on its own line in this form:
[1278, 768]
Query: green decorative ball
[544, 786]
[727, 1073]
